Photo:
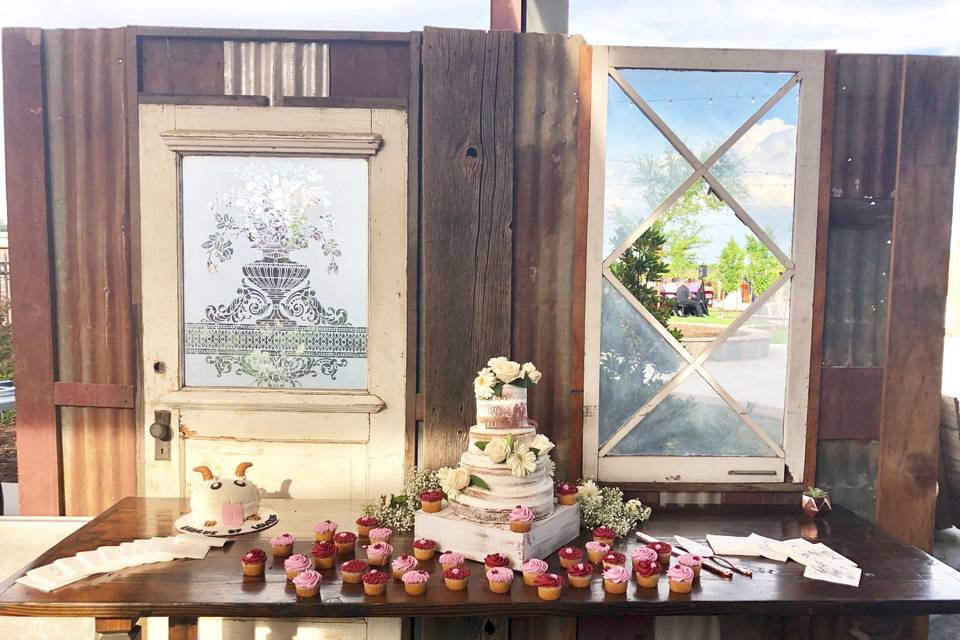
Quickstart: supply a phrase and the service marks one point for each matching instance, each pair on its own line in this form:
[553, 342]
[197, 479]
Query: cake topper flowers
[521, 457]
[500, 371]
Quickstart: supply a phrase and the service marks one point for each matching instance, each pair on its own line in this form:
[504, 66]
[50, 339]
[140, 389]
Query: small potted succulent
[816, 502]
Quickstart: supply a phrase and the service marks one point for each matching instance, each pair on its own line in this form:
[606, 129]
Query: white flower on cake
[588, 490]
[543, 445]
[497, 450]
[550, 466]
[522, 461]
[483, 384]
[452, 480]
[531, 372]
[506, 370]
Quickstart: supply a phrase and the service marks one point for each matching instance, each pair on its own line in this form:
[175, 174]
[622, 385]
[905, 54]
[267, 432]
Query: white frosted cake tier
[509, 411]
[534, 491]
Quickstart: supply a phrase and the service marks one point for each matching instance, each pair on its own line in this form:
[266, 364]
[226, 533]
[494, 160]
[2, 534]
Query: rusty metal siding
[276, 69]
[85, 82]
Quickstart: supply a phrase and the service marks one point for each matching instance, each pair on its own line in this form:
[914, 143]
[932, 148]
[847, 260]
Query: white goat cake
[224, 501]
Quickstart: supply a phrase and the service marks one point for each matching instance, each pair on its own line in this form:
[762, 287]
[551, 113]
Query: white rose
[452, 480]
[497, 450]
[522, 461]
[460, 478]
[531, 372]
[542, 444]
[505, 370]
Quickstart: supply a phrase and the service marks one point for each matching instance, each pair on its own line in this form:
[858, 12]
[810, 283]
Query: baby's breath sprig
[397, 511]
[605, 507]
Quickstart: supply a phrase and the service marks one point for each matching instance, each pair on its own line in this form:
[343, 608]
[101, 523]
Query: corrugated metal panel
[85, 77]
[276, 69]
[848, 470]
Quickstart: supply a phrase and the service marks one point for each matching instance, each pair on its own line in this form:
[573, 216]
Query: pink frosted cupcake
[402, 564]
[499, 579]
[691, 560]
[680, 578]
[282, 544]
[533, 568]
[380, 534]
[644, 554]
[325, 530]
[450, 560]
[615, 579]
[378, 553]
[596, 551]
[307, 583]
[415, 582]
[521, 519]
[295, 565]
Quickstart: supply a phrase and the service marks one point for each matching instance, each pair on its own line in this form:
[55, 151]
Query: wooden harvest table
[897, 579]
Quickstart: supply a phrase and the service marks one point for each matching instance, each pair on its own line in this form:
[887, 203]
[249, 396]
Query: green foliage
[731, 266]
[762, 268]
[480, 483]
[6, 342]
[815, 492]
[606, 507]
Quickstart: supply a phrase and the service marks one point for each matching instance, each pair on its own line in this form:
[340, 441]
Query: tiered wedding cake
[507, 463]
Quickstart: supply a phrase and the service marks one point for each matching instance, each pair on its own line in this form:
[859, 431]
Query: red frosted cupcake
[344, 541]
[323, 555]
[496, 560]
[664, 550]
[456, 579]
[580, 574]
[567, 493]
[424, 549]
[570, 556]
[549, 586]
[364, 524]
[430, 501]
[352, 571]
[614, 559]
[375, 583]
[647, 573]
[254, 562]
[604, 534]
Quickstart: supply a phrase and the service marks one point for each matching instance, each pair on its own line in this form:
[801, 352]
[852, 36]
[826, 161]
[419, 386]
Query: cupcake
[307, 583]
[378, 553]
[352, 571]
[323, 555]
[375, 583]
[531, 569]
[644, 554]
[295, 565]
[680, 578]
[604, 534]
[325, 530]
[580, 574]
[615, 579]
[570, 556]
[614, 559]
[493, 560]
[424, 549]
[430, 501]
[254, 562]
[415, 582]
[664, 550]
[521, 519]
[596, 551]
[401, 564]
[282, 545]
[456, 578]
[567, 493]
[548, 586]
[647, 572]
[499, 579]
[691, 560]
[450, 559]
[380, 534]
[344, 541]
[364, 524]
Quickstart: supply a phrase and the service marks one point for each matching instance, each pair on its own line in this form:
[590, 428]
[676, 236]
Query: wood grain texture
[38, 441]
[80, 394]
[467, 194]
[850, 403]
[544, 230]
[181, 65]
[897, 579]
[910, 407]
[370, 70]
[86, 95]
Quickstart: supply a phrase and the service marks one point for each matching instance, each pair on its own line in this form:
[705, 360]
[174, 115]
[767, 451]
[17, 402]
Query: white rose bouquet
[522, 458]
[500, 371]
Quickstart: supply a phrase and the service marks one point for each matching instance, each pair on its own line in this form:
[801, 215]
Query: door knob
[162, 434]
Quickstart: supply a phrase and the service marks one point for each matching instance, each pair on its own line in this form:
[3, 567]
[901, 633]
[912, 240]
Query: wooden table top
[897, 579]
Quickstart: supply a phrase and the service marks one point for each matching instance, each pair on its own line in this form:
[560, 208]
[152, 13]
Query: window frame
[809, 67]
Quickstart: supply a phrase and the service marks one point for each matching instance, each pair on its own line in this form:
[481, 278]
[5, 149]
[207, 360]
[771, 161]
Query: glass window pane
[275, 272]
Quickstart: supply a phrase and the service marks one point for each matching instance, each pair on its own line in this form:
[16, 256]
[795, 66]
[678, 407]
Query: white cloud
[767, 153]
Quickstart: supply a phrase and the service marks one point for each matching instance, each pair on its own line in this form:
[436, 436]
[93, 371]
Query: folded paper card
[732, 545]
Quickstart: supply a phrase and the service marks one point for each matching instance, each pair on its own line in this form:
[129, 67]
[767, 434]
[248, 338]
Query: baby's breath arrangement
[605, 506]
[397, 511]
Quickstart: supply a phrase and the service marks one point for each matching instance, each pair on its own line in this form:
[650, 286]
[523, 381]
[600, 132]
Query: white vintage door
[274, 263]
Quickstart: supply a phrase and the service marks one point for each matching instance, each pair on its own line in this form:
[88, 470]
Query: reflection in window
[275, 272]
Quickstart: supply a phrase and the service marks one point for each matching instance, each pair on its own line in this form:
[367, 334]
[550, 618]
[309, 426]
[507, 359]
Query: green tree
[730, 267]
[762, 267]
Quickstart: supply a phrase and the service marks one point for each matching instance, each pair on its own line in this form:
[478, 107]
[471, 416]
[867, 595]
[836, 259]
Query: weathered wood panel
[90, 224]
[182, 66]
[910, 409]
[38, 443]
[544, 229]
[467, 195]
[370, 70]
[850, 403]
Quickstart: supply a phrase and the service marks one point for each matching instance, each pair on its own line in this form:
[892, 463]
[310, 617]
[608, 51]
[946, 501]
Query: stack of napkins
[820, 561]
[108, 559]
